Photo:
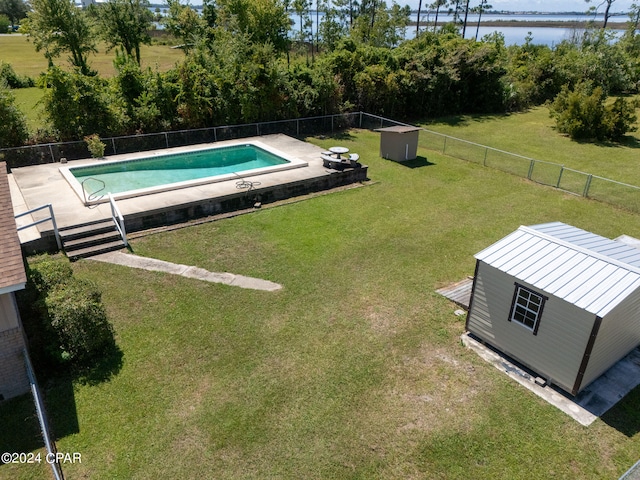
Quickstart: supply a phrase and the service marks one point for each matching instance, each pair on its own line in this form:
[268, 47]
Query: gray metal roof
[588, 270]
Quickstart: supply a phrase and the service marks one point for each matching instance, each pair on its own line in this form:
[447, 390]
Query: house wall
[555, 353]
[619, 333]
[13, 375]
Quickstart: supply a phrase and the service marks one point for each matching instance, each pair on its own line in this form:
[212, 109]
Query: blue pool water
[123, 176]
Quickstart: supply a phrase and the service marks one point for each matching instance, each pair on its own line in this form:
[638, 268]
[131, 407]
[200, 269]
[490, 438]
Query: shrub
[95, 145]
[12, 79]
[582, 114]
[13, 126]
[63, 316]
[79, 320]
[5, 24]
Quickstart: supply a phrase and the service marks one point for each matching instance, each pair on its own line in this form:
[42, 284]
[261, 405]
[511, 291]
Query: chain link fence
[540, 171]
[54, 152]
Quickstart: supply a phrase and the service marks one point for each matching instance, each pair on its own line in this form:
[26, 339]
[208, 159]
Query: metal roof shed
[558, 299]
[399, 143]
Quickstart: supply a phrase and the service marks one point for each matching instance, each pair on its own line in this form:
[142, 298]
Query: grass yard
[19, 51]
[27, 101]
[355, 370]
[532, 134]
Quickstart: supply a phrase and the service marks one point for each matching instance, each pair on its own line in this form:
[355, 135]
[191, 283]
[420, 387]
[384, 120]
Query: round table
[339, 150]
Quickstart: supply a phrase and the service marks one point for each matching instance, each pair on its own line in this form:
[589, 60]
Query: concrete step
[84, 230]
[88, 239]
[95, 250]
[78, 243]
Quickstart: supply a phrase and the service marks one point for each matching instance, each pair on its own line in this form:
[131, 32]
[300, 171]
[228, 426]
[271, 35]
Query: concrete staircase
[88, 239]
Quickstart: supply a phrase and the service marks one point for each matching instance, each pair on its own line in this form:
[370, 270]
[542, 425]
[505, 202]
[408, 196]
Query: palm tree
[481, 8]
[437, 4]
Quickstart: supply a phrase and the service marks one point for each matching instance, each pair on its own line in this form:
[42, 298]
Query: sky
[537, 5]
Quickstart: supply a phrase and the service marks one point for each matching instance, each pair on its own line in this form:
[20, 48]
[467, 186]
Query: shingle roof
[585, 269]
[12, 273]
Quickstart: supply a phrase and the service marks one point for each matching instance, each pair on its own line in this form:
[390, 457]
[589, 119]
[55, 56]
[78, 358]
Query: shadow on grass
[417, 162]
[627, 141]
[625, 415]
[59, 396]
[462, 120]
[342, 135]
[20, 430]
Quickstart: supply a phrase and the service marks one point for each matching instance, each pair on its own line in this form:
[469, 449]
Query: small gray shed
[562, 301]
[399, 143]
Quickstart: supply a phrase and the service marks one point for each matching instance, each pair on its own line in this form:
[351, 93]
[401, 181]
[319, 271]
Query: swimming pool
[158, 171]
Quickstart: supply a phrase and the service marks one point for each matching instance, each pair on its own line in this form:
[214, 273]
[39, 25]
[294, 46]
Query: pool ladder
[94, 195]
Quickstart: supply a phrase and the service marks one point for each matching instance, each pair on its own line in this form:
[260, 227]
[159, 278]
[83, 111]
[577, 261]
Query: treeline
[240, 65]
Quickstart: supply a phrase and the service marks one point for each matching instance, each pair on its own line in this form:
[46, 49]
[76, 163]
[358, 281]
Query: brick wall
[13, 375]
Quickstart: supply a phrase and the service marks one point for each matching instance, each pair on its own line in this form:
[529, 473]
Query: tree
[607, 9]
[437, 5]
[184, 23]
[13, 128]
[16, 10]
[302, 9]
[483, 7]
[58, 26]
[125, 24]
[583, 114]
[79, 105]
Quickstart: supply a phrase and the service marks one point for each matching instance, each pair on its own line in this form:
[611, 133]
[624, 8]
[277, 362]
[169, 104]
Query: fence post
[530, 173]
[331, 123]
[53, 158]
[297, 127]
[258, 129]
[113, 144]
[560, 176]
[444, 145]
[484, 162]
[166, 139]
[215, 134]
[585, 193]
[360, 124]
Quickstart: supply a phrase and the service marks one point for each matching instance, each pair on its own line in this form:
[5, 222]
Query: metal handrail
[38, 222]
[94, 195]
[118, 219]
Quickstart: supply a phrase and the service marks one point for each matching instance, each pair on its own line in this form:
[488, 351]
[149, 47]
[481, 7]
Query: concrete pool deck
[38, 185]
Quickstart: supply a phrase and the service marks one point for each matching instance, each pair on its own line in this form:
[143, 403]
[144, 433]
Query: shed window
[527, 308]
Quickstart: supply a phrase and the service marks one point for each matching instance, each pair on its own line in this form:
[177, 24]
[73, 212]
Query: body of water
[513, 35]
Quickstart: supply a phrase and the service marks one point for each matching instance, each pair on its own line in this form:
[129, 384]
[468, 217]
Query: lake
[513, 35]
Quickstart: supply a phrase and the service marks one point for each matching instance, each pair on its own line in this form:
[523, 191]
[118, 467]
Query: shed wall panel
[558, 348]
[619, 334]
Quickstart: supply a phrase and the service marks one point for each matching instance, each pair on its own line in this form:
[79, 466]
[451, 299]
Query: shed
[399, 143]
[560, 300]
[13, 376]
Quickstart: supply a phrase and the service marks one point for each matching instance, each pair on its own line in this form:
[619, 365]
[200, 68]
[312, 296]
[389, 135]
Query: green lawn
[532, 134]
[354, 369]
[19, 51]
[27, 101]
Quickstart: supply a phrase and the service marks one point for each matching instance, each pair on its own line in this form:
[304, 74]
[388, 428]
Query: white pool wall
[73, 182]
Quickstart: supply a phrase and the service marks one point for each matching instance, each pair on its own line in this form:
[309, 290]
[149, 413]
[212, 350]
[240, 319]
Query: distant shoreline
[536, 23]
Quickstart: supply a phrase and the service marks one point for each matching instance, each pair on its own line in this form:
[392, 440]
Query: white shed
[562, 301]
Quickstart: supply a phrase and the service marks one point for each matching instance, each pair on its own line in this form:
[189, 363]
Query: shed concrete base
[589, 404]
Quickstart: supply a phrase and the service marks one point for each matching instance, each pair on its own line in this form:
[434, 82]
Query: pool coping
[43, 184]
[66, 171]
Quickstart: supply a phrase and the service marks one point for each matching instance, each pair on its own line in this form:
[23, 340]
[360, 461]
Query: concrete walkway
[591, 403]
[134, 261]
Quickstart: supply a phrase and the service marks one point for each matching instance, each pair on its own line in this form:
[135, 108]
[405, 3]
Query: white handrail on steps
[38, 222]
[118, 219]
